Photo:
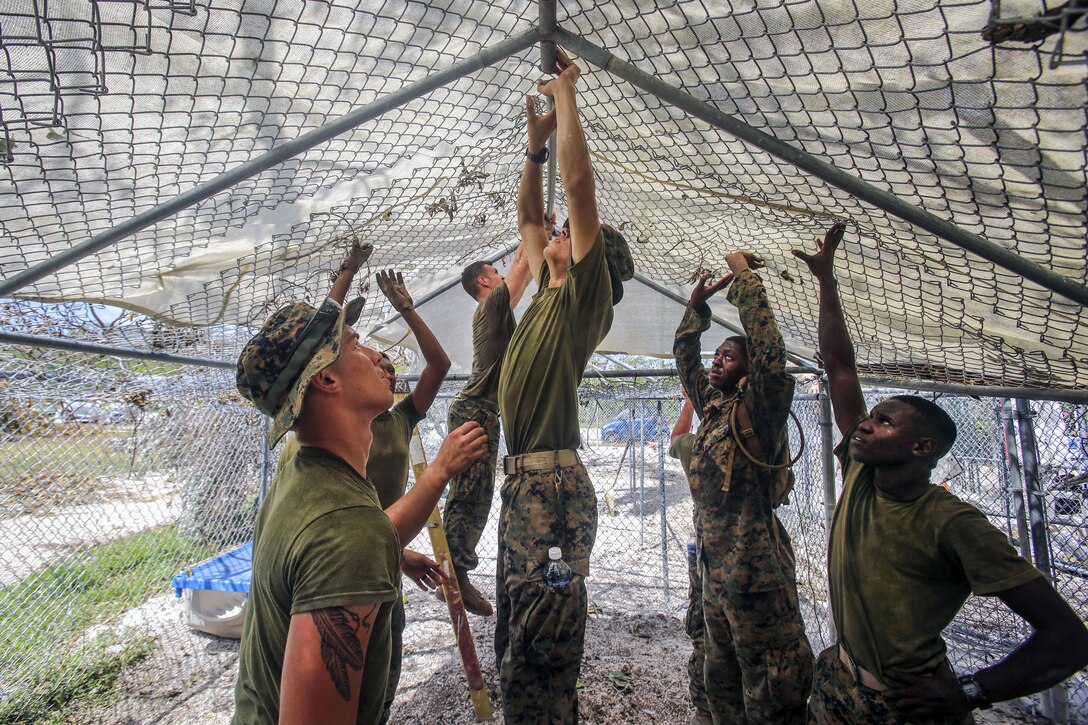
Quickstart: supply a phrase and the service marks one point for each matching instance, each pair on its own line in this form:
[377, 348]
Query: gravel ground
[192, 679]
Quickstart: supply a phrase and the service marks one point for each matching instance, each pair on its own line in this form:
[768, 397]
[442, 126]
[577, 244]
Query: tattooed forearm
[340, 646]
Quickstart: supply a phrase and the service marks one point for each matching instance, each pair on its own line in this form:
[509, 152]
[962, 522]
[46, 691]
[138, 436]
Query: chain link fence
[117, 474]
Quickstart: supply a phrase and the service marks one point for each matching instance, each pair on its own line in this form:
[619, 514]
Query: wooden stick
[466, 647]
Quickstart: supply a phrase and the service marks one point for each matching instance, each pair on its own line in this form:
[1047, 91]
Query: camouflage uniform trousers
[469, 500]
[837, 699]
[695, 627]
[396, 651]
[758, 660]
[539, 631]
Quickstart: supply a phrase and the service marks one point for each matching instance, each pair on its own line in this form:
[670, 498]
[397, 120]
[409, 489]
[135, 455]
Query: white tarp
[108, 109]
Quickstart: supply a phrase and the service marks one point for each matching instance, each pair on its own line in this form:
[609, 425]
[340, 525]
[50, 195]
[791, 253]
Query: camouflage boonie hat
[621, 267]
[294, 344]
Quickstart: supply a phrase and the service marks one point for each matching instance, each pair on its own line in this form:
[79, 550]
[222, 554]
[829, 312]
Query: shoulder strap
[745, 433]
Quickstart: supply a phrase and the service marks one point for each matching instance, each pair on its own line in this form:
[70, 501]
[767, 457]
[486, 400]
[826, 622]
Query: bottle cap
[555, 553]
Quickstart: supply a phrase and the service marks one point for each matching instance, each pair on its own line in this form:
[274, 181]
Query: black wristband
[537, 158]
[974, 693]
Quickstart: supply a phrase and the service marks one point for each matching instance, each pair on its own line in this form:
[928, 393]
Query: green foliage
[42, 615]
[70, 465]
[85, 675]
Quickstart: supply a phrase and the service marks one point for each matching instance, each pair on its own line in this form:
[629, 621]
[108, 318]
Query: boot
[474, 602]
[701, 717]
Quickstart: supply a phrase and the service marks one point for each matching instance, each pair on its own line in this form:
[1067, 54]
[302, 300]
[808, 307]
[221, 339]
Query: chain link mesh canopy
[109, 109]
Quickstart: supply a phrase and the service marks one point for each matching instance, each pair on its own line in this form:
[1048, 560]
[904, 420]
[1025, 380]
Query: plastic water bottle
[557, 575]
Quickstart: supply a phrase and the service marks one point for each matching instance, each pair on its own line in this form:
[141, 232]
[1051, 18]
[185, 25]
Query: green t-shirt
[681, 450]
[492, 326]
[387, 465]
[321, 540]
[538, 385]
[899, 571]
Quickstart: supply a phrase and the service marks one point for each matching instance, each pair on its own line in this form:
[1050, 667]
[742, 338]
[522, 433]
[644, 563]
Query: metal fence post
[661, 438]
[1015, 485]
[827, 420]
[1054, 702]
[266, 462]
[641, 472]
[631, 463]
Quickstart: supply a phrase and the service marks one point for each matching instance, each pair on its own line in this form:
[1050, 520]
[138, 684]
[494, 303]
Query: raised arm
[323, 664]
[836, 347]
[771, 385]
[574, 165]
[518, 276]
[437, 362]
[461, 448]
[353, 262]
[534, 235]
[687, 343]
[682, 426]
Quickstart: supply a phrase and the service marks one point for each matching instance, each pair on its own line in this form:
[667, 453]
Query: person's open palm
[704, 292]
[392, 286]
[822, 263]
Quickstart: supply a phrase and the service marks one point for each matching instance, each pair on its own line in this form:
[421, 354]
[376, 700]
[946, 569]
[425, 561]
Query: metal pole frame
[978, 391]
[736, 329]
[486, 57]
[547, 33]
[436, 293]
[826, 423]
[1014, 492]
[1065, 396]
[1054, 701]
[662, 442]
[1045, 278]
[14, 338]
[547, 64]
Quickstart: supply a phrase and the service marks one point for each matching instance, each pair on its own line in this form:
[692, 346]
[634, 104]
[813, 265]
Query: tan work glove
[357, 256]
[392, 286]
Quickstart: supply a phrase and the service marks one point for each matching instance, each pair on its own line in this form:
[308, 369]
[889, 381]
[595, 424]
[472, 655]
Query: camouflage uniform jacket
[745, 546]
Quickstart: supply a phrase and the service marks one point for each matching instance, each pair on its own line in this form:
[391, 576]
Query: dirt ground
[634, 668]
[633, 673]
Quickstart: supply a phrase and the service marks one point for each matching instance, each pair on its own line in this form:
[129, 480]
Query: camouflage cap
[621, 266]
[293, 345]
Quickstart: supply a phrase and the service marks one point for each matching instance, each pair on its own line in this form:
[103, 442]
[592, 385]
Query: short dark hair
[932, 419]
[469, 275]
[741, 341]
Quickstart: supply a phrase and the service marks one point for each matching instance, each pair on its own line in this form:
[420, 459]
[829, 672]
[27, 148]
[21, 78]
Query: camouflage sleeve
[770, 388]
[689, 362]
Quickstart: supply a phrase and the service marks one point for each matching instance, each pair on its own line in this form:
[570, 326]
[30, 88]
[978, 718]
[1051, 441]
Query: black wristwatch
[539, 157]
[974, 693]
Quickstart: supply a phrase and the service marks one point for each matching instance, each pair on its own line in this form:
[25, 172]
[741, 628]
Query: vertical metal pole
[631, 438]
[641, 475]
[1015, 485]
[661, 437]
[1053, 700]
[1040, 548]
[827, 420]
[546, 15]
[266, 462]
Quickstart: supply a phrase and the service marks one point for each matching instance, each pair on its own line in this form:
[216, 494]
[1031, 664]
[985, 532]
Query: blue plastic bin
[228, 572]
